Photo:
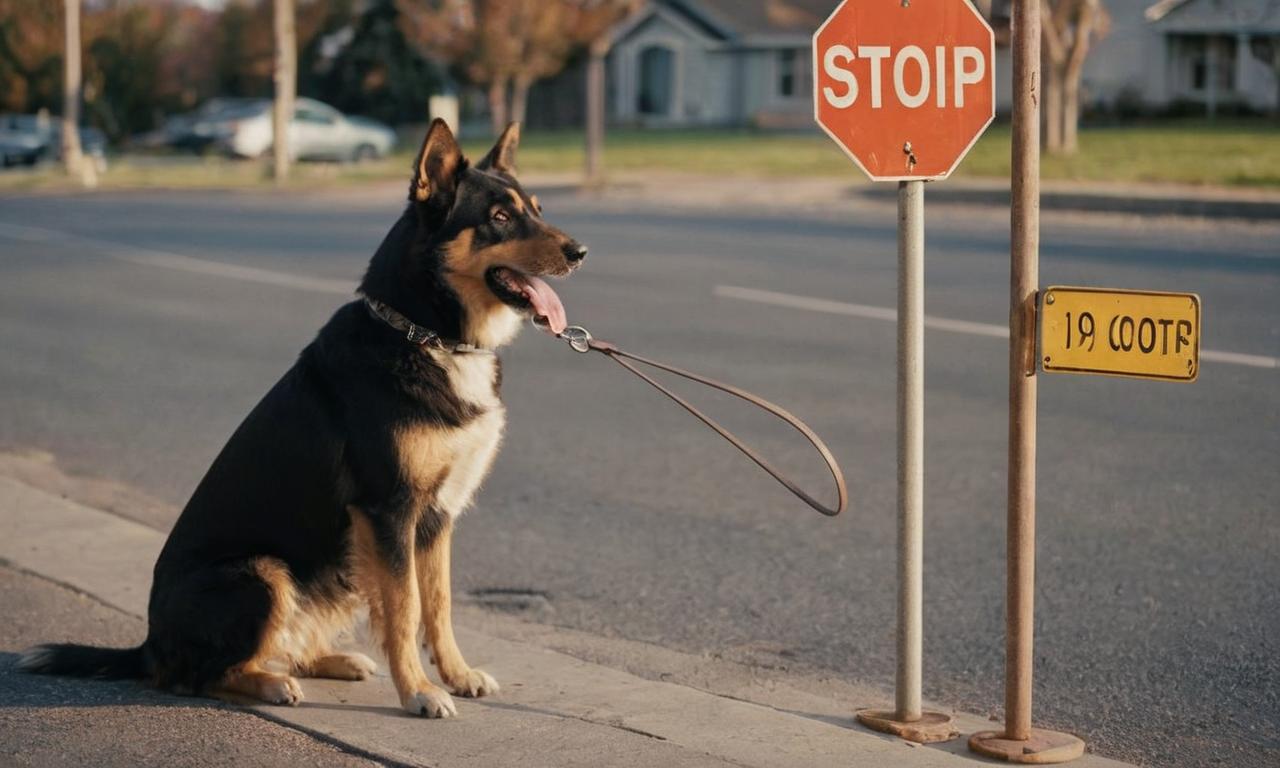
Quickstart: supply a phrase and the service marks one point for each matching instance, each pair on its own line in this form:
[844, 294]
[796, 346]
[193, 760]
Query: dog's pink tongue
[545, 303]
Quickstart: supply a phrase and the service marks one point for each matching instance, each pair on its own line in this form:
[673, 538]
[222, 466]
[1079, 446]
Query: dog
[342, 487]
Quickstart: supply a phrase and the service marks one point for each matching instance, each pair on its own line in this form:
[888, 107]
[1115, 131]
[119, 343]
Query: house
[716, 62]
[1214, 52]
[701, 63]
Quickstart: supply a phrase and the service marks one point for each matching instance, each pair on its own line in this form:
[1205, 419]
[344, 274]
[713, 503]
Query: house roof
[747, 22]
[1216, 16]
[743, 18]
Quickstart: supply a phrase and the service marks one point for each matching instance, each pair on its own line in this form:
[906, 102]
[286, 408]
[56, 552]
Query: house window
[1198, 51]
[657, 81]
[788, 73]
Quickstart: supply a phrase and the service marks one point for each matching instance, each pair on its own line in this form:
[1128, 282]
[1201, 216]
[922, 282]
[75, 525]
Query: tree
[506, 46]
[126, 51]
[1067, 27]
[286, 84]
[598, 21]
[32, 37]
[71, 158]
[480, 39]
[378, 73]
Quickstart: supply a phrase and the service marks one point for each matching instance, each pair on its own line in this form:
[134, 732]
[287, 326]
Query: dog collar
[417, 334]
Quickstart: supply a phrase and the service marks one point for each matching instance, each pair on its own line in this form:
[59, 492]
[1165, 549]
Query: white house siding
[758, 92]
[1128, 62]
[765, 104]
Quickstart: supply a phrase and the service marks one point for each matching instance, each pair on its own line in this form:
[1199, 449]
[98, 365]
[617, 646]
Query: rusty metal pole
[1020, 742]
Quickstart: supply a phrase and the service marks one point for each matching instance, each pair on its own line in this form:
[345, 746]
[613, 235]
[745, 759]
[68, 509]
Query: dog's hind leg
[249, 677]
[339, 666]
[437, 614]
[257, 684]
[214, 628]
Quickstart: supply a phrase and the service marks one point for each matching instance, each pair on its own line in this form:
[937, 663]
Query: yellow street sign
[1145, 334]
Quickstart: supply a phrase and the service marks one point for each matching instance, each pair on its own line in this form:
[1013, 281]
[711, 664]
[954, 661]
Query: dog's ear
[502, 158]
[435, 174]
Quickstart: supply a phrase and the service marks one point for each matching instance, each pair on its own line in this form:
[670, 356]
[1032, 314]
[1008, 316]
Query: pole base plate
[1044, 747]
[931, 727]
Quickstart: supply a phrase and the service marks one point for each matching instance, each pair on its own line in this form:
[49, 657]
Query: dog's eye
[501, 216]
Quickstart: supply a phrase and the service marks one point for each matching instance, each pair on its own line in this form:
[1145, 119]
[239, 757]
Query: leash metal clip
[575, 336]
[578, 337]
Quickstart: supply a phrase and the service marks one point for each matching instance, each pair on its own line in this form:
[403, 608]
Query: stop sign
[905, 87]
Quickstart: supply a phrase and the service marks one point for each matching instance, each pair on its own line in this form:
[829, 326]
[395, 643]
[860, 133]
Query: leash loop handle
[582, 341]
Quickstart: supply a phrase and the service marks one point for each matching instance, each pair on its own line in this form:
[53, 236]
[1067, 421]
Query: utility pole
[286, 85]
[598, 50]
[71, 154]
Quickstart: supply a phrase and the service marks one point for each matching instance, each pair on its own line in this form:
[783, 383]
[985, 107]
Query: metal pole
[910, 447]
[1020, 742]
[907, 719]
[1024, 282]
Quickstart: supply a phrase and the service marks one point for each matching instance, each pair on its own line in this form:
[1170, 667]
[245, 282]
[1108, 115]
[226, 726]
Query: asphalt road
[136, 330]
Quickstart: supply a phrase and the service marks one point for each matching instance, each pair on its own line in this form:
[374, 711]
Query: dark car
[28, 139]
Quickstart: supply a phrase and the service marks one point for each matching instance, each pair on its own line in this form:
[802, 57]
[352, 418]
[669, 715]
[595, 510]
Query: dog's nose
[575, 252]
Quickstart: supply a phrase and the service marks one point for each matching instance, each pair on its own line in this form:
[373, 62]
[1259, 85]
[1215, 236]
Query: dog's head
[485, 237]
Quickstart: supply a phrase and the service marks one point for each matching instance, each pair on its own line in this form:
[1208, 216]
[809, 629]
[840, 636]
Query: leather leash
[582, 341]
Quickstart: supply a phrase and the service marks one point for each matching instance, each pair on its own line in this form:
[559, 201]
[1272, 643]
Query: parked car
[28, 139]
[199, 129]
[318, 132]
[24, 139]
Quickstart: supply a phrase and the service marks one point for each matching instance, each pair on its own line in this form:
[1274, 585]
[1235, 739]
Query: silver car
[317, 132]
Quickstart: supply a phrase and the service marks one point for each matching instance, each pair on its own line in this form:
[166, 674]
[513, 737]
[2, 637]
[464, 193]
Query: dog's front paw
[473, 684]
[431, 703]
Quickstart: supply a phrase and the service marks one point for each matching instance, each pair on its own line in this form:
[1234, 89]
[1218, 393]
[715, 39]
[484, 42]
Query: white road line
[1239, 358]
[164, 260]
[937, 323]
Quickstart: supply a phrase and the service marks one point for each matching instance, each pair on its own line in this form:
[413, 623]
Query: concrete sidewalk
[567, 698]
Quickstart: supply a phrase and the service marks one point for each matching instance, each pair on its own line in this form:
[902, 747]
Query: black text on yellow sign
[1145, 334]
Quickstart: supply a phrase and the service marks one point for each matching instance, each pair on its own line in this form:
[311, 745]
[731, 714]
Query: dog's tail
[72, 660]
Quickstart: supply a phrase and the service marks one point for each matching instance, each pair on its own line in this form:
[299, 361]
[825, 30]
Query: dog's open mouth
[528, 293]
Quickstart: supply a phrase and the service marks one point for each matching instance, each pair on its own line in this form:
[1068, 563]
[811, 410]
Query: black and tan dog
[342, 486]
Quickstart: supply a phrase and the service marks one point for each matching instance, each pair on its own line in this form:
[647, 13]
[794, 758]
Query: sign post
[1019, 742]
[906, 90]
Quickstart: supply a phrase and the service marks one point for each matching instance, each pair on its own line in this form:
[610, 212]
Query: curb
[1135, 203]
[554, 709]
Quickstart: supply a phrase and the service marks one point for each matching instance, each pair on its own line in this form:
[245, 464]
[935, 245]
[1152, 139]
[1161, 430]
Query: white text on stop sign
[968, 67]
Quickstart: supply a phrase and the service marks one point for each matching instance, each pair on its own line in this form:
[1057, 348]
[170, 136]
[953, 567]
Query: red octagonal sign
[905, 87]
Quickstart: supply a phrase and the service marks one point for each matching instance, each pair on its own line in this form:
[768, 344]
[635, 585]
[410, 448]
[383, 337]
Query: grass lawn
[1193, 152]
[1223, 153]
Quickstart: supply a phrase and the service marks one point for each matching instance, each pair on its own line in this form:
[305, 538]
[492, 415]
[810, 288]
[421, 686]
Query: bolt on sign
[905, 87]
[1144, 334]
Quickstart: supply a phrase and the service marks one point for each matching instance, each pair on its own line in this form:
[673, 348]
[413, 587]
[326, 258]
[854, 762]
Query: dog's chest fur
[448, 464]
